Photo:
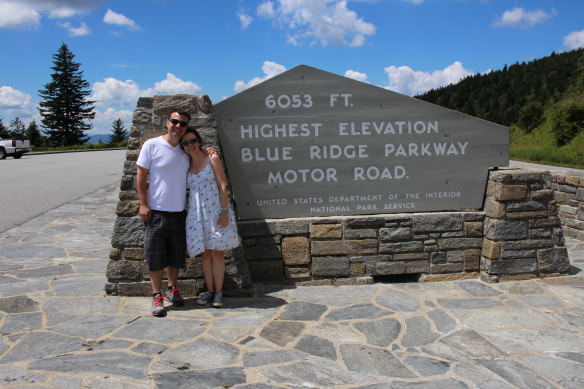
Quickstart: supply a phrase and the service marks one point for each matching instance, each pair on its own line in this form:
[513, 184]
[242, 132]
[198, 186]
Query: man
[161, 183]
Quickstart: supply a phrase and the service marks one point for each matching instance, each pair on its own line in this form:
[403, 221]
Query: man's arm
[142, 187]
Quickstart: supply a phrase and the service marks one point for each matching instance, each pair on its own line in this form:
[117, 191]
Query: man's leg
[154, 253]
[172, 274]
[156, 280]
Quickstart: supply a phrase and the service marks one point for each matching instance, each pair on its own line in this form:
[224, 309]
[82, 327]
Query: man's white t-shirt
[168, 166]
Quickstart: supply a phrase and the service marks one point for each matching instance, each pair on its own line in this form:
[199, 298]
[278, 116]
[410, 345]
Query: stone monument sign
[312, 143]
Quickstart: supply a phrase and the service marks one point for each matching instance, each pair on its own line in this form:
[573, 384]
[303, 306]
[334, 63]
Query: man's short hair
[181, 113]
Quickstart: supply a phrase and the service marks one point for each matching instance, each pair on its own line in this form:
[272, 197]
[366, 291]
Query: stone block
[344, 247]
[580, 194]
[495, 209]
[410, 256]
[505, 192]
[527, 244]
[128, 232]
[553, 260]
[254, 229]
[366, 223]
[551, 221]
[573, 180]
[491, 249]
[291, 227]
[537, 233]
[580, 213]
[357, 269]
[263, 253]
[115, 253]
[269, 240]
[510, 266]
[454, 257]
[266, 271]
[326, 231]
[437, 222]
[473, 229]
[130, 167]
[127, 182]
[370, 258]
[194, 269]
[132, 155]
[472, 259]
[134, 253]
[401, 267]
[330, 267]
[453, 234]
[133, 143]
[395, 234]
[447, 268]
[295, 251]
[437, 258]
[128, 195]
[400, 247]
[459, 243]
[568, 189]
[568, 210]
[505, 229]
[124, 270]
[128, 208]
[526, 215]
[367, 233]
[296, 272]
[523, 206]
[473, 216]
[135, 131]
[542, 196]
[142, 289]
[512, 254]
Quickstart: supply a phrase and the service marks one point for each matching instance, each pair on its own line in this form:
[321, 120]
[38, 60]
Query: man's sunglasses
[180, 123]
[189, 142]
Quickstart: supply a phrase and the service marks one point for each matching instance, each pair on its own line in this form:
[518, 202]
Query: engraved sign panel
[312, 143]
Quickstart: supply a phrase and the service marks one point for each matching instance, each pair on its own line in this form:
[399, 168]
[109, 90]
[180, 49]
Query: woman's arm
[221, 180]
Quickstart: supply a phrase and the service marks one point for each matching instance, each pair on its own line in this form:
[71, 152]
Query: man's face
[177, 125]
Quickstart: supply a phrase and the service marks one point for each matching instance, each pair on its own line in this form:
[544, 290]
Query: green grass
[92, 146]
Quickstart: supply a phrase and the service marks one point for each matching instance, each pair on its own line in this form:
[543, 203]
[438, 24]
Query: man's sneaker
[217, 300]
[174, 297]
[204, 298]
[157, 308]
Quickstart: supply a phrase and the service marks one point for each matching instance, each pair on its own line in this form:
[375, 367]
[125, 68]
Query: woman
[210, 225]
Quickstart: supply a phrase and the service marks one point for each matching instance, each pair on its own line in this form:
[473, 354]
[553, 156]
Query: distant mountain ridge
[104, 138]
[502, 95]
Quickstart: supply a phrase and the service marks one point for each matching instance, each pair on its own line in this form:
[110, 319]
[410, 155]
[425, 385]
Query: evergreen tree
[65, 108]
[4, 134]
[34, 135]
[16, 129]
[119, 133]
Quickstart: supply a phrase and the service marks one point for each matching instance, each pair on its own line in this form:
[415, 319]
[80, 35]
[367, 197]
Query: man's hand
[145, 213]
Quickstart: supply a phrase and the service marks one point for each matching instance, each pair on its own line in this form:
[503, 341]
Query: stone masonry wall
[523, 234]
[569, 193]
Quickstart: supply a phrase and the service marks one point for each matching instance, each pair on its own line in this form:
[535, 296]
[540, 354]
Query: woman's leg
[218, 269]
[208, 270]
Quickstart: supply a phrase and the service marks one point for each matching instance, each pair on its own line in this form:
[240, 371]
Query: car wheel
[17, 155]
[2, 154]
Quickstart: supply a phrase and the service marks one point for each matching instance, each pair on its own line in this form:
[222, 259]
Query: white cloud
[21, 13]
[574, 40]
[519, 17]
[356, 75]
[321, 22]
[126, 93]
[75, 31]
[17, 15]
[12, 98]
[416, 2]
[112, 17]
[270, 70]
[404, 79]
[104, 119]
[244, 19]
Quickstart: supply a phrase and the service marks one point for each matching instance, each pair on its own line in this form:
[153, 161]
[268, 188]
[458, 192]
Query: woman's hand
[223, 220]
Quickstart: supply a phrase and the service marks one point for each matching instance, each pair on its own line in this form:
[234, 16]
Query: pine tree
[34, 135]
[16, 129]
[65, 108]
[119, 133]
[4, 134]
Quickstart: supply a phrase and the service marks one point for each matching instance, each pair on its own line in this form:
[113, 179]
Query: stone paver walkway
[59, 330]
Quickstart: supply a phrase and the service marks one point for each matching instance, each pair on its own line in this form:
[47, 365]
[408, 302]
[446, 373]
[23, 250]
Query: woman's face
[189, 142]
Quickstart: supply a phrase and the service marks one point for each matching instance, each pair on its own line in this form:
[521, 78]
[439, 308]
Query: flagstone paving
[59, 330]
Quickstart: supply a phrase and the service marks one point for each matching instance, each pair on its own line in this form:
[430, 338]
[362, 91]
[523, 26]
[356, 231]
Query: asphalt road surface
[37, 183]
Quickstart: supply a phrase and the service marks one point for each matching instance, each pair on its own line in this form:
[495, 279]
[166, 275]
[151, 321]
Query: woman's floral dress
[203, 232]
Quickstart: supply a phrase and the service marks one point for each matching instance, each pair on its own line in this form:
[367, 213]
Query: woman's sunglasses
[180, 123]
[189, 142]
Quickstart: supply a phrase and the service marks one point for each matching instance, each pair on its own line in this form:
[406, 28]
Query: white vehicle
[13, 147]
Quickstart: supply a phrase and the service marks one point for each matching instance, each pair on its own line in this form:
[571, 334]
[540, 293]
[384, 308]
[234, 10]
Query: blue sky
[135, 48]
